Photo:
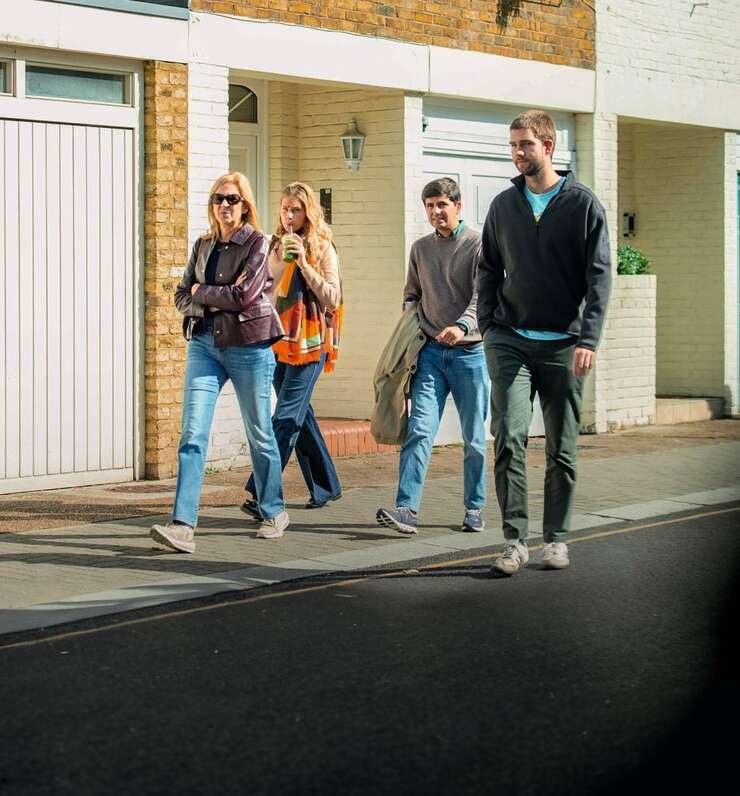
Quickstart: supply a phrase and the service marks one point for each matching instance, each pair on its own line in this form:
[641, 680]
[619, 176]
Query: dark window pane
[242, 105]
[54, 81]
[4, 82]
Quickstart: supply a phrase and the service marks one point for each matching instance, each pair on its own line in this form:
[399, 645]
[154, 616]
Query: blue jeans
[296, 429]
[250, 369]
[440, 370]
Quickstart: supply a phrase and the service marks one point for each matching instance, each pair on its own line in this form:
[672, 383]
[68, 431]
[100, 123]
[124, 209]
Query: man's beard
[531, 168]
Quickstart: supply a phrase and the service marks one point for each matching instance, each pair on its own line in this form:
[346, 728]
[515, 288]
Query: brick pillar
[166, 252]
[596, 144]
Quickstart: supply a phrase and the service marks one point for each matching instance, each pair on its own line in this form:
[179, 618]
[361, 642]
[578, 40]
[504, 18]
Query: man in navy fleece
[544, 280]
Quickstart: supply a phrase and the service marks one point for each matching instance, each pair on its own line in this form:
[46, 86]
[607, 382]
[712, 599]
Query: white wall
[629, 379]
[657, 60]
[208, 159]
[597, 149]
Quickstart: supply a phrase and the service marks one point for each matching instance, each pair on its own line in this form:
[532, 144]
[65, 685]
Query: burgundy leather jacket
[247, 314]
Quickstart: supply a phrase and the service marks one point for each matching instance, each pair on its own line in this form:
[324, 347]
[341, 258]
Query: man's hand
[450, 335]
[195, 286]
[583, 361]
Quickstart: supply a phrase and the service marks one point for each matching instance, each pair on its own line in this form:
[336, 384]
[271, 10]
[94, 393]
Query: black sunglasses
[231, 198]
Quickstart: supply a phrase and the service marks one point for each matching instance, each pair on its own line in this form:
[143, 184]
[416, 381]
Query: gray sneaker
[401, 519]
[176, 537]
[473, 520]
[555, 555]
[514, 557]
[274, 527]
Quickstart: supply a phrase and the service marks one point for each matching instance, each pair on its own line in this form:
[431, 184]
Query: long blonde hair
[249, 216]
[316, 232]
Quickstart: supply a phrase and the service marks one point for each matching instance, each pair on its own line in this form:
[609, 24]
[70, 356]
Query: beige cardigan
[323, 281]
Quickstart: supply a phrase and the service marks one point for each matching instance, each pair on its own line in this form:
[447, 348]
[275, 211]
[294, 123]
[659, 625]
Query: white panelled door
[67, 399]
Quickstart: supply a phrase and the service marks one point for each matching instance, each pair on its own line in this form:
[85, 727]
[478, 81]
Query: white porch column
[596, 144]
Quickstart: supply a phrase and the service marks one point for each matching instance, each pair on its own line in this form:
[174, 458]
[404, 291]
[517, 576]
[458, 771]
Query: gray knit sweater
[441, 278]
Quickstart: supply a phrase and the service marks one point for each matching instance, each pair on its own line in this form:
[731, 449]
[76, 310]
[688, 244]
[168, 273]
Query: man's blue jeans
[250, 369]
[296, 428]
[440, 370]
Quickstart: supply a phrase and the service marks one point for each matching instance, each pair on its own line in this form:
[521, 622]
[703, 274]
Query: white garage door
[469, 142]
[66, 351]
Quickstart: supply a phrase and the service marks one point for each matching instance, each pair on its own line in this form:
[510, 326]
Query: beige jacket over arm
[392, 379]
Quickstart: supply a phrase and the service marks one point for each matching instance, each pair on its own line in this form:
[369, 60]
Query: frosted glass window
[242, 105]
[58, 82]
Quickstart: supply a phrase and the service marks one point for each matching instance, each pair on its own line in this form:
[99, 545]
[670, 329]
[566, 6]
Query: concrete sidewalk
[57, 575]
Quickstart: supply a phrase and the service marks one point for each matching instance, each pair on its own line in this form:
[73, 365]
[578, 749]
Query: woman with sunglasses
[308, 297]
[231, 324]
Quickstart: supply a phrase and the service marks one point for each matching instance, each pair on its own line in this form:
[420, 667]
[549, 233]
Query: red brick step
[348, 437]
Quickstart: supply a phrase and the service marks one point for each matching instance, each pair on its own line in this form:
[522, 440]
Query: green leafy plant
[631, 261]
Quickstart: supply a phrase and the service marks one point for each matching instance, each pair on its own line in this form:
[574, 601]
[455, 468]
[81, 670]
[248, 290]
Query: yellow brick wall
[556, 31]
[165, 252]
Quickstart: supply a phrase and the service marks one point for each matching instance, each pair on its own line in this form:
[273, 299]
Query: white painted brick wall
[597, 150]
[414, 179]
[208, 159]
[368, 213]
[674, 178]
[629, 378]
[663, 39]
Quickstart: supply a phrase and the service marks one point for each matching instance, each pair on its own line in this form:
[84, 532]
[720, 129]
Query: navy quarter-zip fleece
[552, 275]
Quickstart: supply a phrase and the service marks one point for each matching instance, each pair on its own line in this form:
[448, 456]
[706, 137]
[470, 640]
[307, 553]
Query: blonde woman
[308, 297]
[231, 325]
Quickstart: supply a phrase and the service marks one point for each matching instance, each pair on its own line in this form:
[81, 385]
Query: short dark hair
[443, 186]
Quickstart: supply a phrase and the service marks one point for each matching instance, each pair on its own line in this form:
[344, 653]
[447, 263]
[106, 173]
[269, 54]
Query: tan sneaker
[176, 537]
[514, 557]
[274, 527]
[555, 555]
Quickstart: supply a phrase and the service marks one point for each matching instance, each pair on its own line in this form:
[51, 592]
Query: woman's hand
[295, 247]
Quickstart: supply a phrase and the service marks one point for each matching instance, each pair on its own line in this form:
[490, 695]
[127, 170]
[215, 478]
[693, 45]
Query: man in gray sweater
[544, 282]
[441, 282]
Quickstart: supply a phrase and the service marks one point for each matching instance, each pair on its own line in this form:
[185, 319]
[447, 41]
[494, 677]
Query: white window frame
[71, 111]
[10, 77]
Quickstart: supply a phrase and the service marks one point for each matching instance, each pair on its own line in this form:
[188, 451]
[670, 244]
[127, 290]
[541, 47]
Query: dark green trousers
[521, 368]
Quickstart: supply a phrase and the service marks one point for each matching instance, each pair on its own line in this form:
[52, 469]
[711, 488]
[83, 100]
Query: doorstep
[674, 409]
[349, 437]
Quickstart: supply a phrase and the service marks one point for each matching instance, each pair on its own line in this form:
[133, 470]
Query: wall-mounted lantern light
[353, 142]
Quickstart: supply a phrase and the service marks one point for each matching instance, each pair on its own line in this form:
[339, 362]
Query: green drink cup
[288, 257]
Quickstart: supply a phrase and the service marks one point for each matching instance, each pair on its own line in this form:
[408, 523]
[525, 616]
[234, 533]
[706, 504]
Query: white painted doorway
[243, 152]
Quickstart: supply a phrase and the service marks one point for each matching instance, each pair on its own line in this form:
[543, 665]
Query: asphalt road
[617, 675]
